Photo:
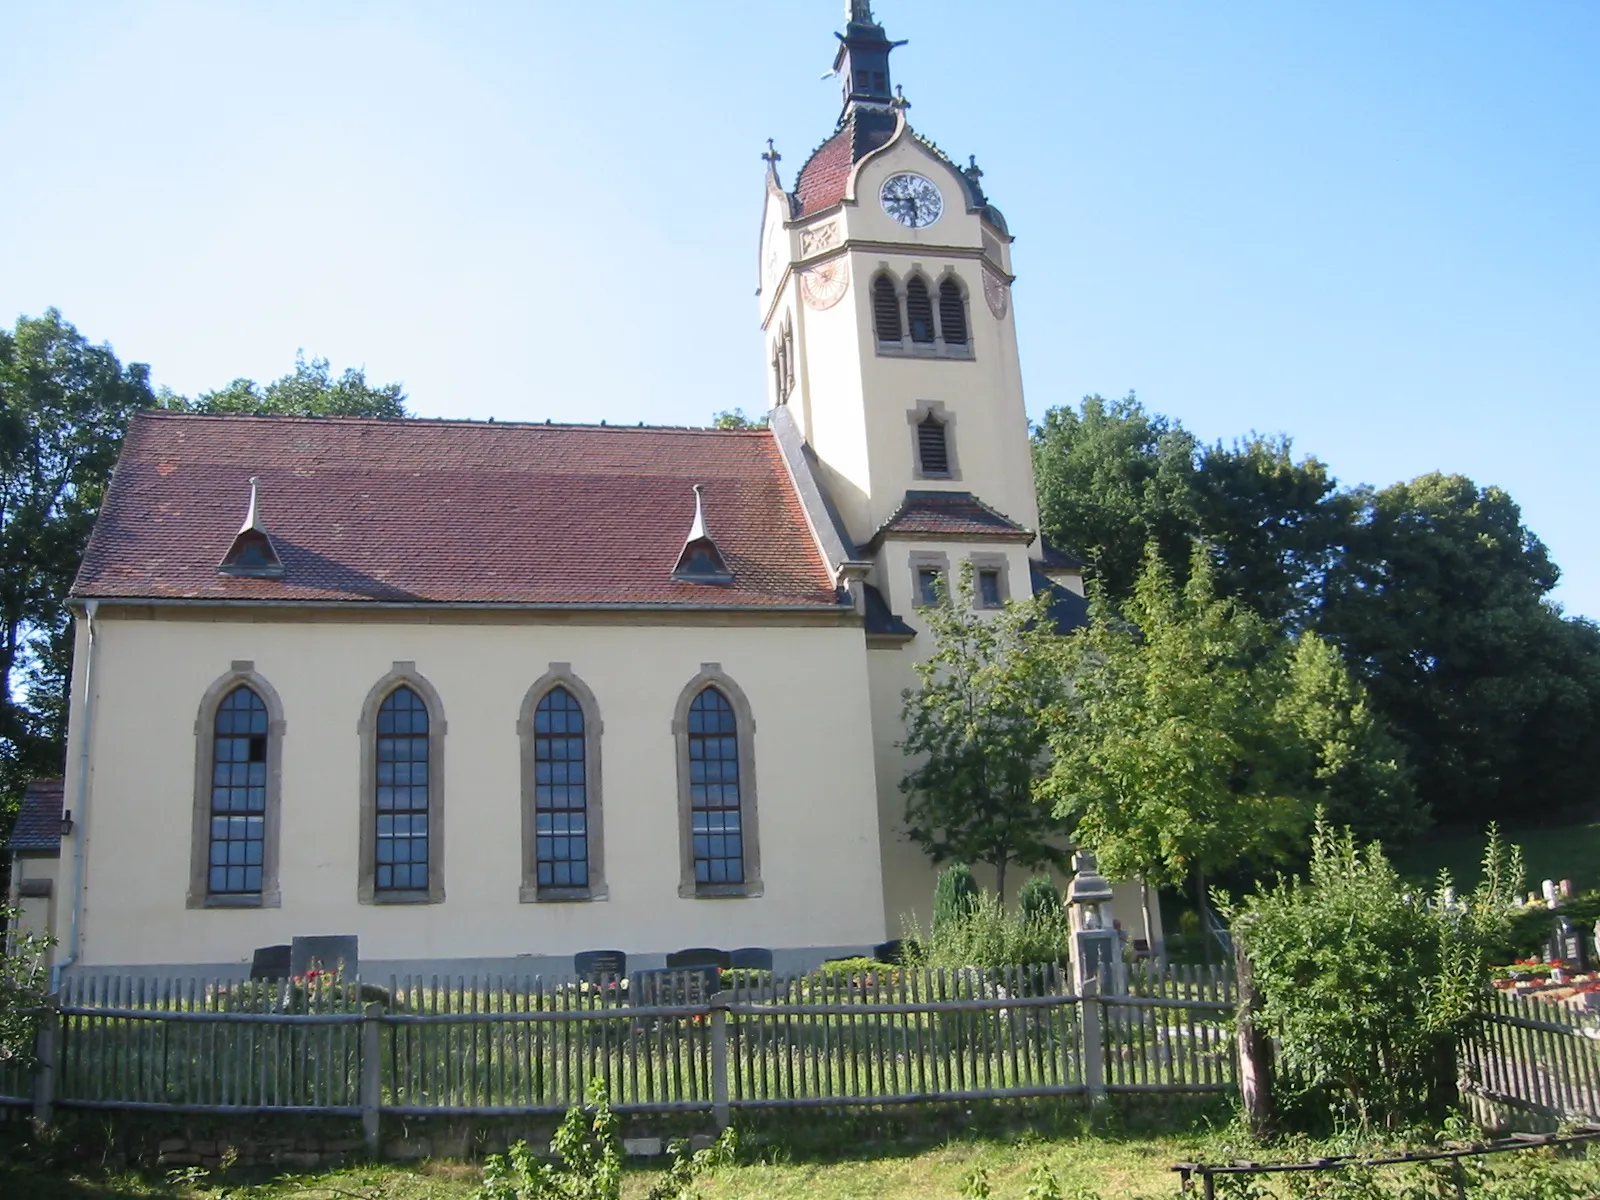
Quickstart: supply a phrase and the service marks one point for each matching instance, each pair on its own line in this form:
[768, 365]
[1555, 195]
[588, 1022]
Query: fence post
[44, 1071]
[371, 1073]
[1090, 1011]
[719, 1061]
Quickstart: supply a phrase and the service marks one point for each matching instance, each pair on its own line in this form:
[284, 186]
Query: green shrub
[24, 989]
[954, 894]
[987, 935]
[1038, 897]
[1366, 986]
[588, 1149]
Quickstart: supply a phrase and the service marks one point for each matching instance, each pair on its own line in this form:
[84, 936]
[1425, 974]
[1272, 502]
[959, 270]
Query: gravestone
[270, 962]
[332, 953]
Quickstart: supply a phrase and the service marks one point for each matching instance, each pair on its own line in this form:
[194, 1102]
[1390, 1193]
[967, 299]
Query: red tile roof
[822, 180]
[38, 824]
[958, 515]
[450, 512]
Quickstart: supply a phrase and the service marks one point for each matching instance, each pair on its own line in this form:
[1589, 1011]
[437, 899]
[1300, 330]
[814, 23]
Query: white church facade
[486, 695]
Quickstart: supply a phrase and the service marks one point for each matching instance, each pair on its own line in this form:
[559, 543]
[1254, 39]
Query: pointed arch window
[238, 795]
[559, 725]
[401, 853]
[238, 786]
[886, 310]
[919, 310]
[716, 789]
[952, 313]
[402, 730]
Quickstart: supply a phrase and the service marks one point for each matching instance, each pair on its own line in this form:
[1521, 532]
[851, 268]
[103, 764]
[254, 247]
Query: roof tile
[960, 515]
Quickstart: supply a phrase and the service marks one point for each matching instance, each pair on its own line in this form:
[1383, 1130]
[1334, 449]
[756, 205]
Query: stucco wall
[807, 688]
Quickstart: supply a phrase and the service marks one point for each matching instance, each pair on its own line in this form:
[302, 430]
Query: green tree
[1440, 606]
[973, 727]
[734, 418]
[310, 390]
[1112, 478]
[64, 405]
[1195, 738]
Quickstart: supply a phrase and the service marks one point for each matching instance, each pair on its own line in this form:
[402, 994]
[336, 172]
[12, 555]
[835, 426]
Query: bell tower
[885, 297]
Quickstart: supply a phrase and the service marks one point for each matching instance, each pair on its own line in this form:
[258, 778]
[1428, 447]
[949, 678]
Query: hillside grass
[1564, 852]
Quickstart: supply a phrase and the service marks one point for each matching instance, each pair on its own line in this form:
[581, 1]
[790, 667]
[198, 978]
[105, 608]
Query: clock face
[911, 199]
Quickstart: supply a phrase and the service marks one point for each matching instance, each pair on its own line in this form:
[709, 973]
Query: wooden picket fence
[661, 1041]
[1539, 1057]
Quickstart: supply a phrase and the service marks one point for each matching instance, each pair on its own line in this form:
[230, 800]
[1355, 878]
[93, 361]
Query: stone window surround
[905, 347]
[923, 560]
[712, 675]
[560, 675]
[916, 416]
[402, 674]
[241, 671]
[990, 562]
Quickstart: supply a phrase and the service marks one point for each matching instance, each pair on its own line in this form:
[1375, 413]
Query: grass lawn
[1115, 1165]
[1567, 852]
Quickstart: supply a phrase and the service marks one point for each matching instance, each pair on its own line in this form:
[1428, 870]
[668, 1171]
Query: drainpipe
[80, 799]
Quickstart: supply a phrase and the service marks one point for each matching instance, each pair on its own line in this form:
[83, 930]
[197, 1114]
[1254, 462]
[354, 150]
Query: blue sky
[1372, 226]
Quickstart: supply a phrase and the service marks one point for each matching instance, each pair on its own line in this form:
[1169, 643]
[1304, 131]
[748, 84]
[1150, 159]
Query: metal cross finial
[771, 157]
[859, 10]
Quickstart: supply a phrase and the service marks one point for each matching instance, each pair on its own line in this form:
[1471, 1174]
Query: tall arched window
[714, 790]
[563, 842]
[402, 730]
[719, 848]
[886, 310]
[952, 313]
[401, 852]
[238, 796]
[238, 774]
[919, 310]
[561, 824]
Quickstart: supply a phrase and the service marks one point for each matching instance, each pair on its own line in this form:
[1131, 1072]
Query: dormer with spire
[252, 552]
[700, 561]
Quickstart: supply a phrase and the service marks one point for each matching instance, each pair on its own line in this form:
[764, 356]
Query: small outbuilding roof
[38, 826]
[451, 512]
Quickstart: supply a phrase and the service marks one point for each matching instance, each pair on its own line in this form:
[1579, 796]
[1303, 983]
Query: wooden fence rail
[1543, 1058]
[661, 1041]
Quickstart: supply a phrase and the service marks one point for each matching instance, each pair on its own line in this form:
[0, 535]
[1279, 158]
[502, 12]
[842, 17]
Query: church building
[489, 694]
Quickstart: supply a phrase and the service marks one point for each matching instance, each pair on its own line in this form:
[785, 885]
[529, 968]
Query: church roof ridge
[433, 422]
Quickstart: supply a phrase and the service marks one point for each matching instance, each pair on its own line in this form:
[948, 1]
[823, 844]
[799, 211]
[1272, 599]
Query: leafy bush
[1039, 896]
[954, 894]
[588, 1147]
[987, 935]
[24, 991]
[1366, 987]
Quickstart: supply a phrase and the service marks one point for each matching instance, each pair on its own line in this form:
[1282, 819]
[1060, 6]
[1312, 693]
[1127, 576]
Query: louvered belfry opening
[919, 310]
[952, 314]
[885, 310]
[932, 447]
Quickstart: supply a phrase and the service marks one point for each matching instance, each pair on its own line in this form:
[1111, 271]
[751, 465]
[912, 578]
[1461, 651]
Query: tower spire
[862, 63]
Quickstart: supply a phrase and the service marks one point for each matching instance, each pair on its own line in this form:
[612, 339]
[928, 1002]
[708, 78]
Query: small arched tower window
[886, 310]
[401, 851]
[933, 449]
[919, 310]
[788, 358]
[952, 313]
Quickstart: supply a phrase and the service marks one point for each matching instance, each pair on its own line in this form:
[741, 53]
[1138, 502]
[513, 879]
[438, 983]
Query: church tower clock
[885, 299]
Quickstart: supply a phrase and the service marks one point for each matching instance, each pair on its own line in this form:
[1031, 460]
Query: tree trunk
[1000, 879]
[1255, 1050]
[1156, 953]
